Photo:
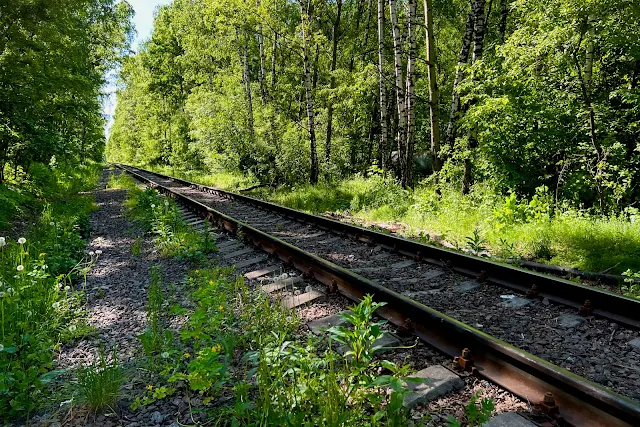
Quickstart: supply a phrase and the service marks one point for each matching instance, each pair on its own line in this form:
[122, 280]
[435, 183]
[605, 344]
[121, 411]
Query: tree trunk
[332, 84]
[400, 95]
[410, 94]
[273, 60]
[309, 92]
[478, 48]
[358, 14]
[383, 91]
[433, 86]
[450, 135]
[261, 73]
[247, 84]
[504, 12]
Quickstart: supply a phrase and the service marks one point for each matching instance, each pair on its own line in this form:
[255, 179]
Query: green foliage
[361, 335]
[38, 306]
[156, 336]
[476, 415]
[53, 66]
[632, 284]
[160, 216]
[99, 385]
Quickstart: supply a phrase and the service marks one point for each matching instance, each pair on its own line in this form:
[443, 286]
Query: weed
[475, 242]
[476, 415]
[155, 335]
[632, 284]
[136, 247]
[99, 385]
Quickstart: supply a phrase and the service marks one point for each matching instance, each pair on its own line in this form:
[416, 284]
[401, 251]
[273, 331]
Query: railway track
[454, 301]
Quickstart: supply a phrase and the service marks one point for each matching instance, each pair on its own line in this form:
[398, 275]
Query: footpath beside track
[408, 275]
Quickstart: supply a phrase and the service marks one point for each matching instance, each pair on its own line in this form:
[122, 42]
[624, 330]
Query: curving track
[431, 291]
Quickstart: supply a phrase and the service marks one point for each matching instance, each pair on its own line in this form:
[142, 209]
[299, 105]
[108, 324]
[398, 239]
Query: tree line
[54, 58]
[520, 94]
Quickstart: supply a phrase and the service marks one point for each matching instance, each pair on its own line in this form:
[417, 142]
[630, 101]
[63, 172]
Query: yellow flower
[220, 308]
[187, 355]
[149, 387]
[197, 271]
[211, 282]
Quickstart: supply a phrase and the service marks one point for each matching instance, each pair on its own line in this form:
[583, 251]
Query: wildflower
[165, 355]
[211, 282]
[44, 266]
[22, 240]
[72, 328]
[98, 252]
[20, 267]
[197, 271]
[166, 203]
[67, 288]
[187, 355]
[153, 206]
[2, 241]
[55, 305]
[1, 347]
[220, 308]
[91, 253]
[52, 223]
[149, 387]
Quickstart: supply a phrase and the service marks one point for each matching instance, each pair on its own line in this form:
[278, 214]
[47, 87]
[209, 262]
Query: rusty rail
[580, 402]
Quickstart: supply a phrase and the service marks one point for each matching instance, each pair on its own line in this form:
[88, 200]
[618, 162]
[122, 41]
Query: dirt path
[116, 295]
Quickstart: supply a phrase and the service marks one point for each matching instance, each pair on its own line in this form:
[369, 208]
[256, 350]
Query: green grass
[99, 384]
[509, 228]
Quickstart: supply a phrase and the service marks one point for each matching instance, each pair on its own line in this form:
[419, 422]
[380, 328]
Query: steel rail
[618, 308]
[581, 402]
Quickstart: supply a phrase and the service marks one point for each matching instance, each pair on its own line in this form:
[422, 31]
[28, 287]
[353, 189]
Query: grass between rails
[266, 372]
[39, 307]
[506, 227]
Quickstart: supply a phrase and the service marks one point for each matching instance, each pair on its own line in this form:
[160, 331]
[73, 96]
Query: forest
[490, 112]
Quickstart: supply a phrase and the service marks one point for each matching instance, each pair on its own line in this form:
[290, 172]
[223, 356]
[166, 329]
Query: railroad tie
[281, 284]
[262, 272]
[302, 299]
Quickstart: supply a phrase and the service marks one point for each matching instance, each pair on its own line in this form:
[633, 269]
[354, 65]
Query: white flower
[2, 241]
[1, 347]
[52, 223]
[72, 328]
[91, 253]
[22, 240]
[153, 206]
[44, 266]
[98, 252]
[67, 288]
[165, 355]
[166, 203]
[55, 305]
[20, 267]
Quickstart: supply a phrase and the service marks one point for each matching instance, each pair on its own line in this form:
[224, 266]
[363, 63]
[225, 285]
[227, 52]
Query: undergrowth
[40, 309]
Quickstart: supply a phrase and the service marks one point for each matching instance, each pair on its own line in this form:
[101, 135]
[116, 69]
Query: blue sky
[143, 21]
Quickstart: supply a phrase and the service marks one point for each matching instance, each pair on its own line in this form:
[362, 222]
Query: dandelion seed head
[98, 252]
[91, 253]
[52, 223]
[20, 267]
[22, 240]
[165, 355]
[72, 328]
